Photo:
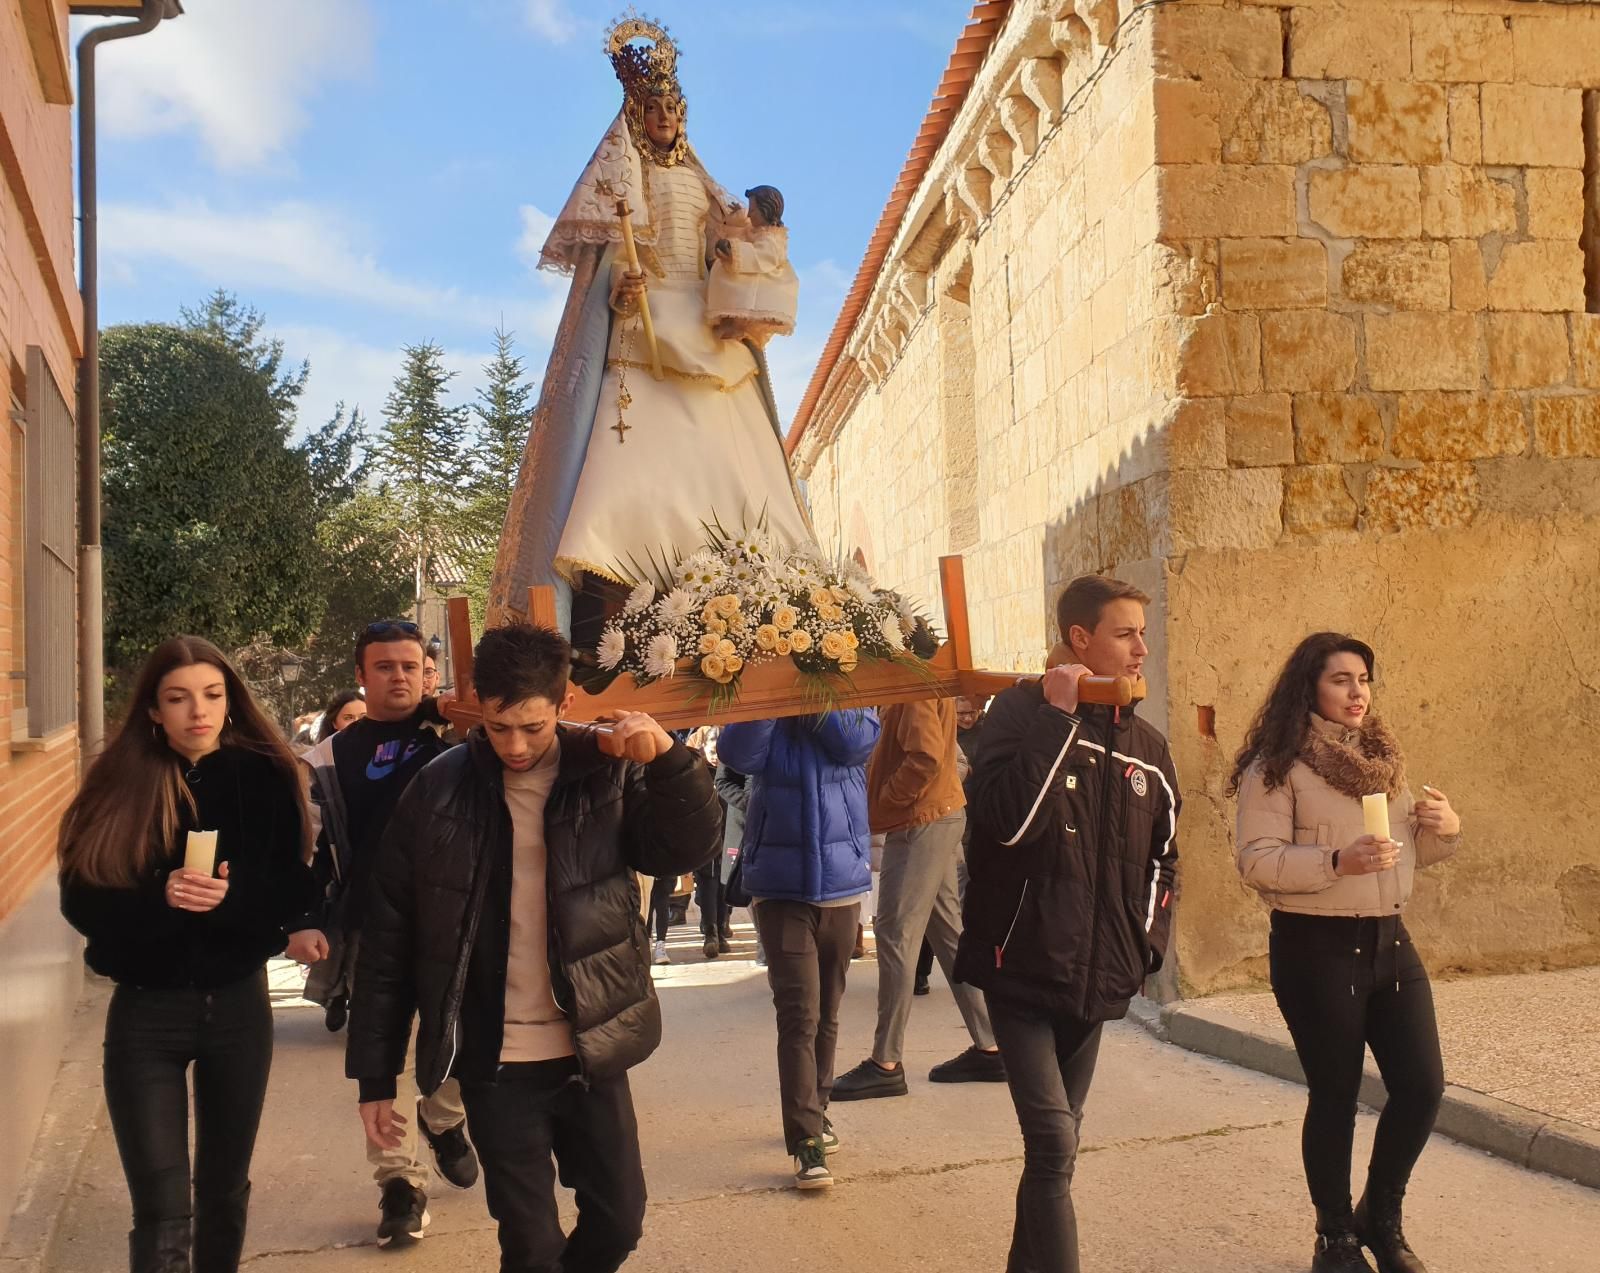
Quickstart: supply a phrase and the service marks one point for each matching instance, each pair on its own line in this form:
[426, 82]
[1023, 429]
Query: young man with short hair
[1072, 870]
[505, 914]
[357, 777]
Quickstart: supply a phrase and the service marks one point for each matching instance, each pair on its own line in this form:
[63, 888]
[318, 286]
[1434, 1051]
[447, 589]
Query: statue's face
[663, 116]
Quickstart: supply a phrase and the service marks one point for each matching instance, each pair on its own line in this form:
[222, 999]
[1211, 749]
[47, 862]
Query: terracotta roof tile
[971, 48]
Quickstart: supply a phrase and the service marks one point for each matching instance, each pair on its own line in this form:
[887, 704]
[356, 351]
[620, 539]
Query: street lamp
[289, 673]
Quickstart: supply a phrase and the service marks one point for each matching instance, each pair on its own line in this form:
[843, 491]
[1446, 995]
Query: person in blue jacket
[805, 866]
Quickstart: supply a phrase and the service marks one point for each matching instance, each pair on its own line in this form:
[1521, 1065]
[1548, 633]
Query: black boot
[1377, 1221]
[219, 1231]
[1338, 1250]
[162, 1247]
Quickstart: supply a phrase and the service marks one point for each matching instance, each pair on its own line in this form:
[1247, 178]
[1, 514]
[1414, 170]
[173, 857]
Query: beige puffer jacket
[1287, 836]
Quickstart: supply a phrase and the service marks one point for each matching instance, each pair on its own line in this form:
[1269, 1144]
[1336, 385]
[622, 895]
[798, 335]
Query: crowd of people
[473, 914]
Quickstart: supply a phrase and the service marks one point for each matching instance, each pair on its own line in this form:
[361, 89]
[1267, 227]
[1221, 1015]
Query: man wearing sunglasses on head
[357, 778]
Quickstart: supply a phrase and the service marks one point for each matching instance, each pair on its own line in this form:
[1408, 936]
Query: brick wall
[1287, 323]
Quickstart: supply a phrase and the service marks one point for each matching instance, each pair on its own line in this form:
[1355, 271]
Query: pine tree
[422, 460]
[336, 455]
[239, 327]
[505, 415]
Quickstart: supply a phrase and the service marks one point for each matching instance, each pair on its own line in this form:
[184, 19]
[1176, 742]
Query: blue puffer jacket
[805, 835]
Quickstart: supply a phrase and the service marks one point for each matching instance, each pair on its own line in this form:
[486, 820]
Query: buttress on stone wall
[1277, 308]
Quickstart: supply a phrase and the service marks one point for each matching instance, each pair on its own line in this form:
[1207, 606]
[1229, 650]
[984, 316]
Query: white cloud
[239, 74]
[536, 226]
[313, 251]
[550, 19]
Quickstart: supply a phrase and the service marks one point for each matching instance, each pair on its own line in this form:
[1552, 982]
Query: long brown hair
[1280, 726]
[127, 813]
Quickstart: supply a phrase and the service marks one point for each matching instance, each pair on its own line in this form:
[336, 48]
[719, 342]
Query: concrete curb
[1525, 1137]
[72, 1116]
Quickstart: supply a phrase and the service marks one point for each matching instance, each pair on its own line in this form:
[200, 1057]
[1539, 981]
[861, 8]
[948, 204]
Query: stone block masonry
[1294, 320]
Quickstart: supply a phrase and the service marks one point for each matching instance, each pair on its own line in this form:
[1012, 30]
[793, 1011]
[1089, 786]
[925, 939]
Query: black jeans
[808, 957]
[661, 905]
[1343, 985]
[1049, 1065]
[538, 1109]
[152, 1037]
[709, 891]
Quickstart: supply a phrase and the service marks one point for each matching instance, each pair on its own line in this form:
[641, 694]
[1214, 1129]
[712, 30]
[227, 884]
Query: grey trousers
[918, 894]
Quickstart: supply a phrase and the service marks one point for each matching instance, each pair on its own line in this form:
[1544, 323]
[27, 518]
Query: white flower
[612, 647]
[678, 605]
[890, 631]
[641, 596]
[661, 657]
[861, 590]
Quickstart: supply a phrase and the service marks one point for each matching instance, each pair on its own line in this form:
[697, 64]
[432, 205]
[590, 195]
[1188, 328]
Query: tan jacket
[1286, 838]
[912, 777]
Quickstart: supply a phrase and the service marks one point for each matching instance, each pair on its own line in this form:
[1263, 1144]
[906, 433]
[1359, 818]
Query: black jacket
[1073, 857]
[438, 914]
[137, 939]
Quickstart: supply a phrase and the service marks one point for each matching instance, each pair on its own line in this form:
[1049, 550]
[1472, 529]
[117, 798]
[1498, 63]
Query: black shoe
[338, 1012]
[724, 943]
[972, 1066]
[1338, 1253]
[402, 1214]
[869, 1080]
[162, 1247]
[1377, 1224]
[712, 948]
[920, 987]
[452, 1155]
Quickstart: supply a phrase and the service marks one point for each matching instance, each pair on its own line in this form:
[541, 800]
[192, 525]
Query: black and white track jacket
[1073, 859]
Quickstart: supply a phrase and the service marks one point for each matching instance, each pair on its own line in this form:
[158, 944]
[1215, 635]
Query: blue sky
[375, 172]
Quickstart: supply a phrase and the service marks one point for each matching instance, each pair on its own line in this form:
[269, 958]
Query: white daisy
[613, 645]
[861, 590]
[661, 657]
[678, 605]
[641, 596]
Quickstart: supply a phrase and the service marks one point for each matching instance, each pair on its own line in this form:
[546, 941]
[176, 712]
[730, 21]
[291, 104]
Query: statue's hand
[724, 249]
[629, 292]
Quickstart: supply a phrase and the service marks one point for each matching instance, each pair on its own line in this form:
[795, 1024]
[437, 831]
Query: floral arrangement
[741, 600]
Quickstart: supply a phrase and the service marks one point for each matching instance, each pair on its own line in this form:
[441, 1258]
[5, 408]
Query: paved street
[1190, 1164]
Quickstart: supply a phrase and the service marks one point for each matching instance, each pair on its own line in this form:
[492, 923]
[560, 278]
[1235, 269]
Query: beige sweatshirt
[535, 1027]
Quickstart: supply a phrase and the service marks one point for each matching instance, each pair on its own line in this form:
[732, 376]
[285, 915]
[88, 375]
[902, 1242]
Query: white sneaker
[661, 953]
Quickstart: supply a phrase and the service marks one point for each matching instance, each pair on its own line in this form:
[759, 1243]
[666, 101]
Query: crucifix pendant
[621, 427]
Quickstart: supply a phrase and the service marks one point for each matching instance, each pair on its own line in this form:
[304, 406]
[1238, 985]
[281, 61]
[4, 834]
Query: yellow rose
[726, 647]
[848, 663]
[713, 666]
[821, 597]
[737, 622]
[717, 626]
[767, 637]
[784, 618]
[800, 640]
[851, 639]
[727, 605]
[734, 665]
[834, 646]
[708, 613]
[784, 647]
[708, 643]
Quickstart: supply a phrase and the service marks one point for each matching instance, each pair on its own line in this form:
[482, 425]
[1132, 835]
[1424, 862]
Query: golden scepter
[625, 215]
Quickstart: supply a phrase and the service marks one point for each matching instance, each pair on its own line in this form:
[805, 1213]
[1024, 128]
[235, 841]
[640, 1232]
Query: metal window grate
[50, 578]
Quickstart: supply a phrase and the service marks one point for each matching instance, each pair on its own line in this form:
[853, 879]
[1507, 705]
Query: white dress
[699, 444]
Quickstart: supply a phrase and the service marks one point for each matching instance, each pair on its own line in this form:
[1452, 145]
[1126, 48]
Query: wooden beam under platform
[776, 687]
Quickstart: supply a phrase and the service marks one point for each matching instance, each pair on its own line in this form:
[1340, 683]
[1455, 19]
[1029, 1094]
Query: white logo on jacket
[1141, 784]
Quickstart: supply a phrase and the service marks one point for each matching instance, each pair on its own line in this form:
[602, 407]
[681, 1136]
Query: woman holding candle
[195, 770]
[1315, 767]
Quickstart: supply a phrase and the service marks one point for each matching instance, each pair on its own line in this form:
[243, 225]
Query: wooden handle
[625, 215]
[1109, 691]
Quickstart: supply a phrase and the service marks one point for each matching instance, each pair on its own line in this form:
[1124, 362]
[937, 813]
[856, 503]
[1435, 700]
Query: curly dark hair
[519, 661]
[1280, 726]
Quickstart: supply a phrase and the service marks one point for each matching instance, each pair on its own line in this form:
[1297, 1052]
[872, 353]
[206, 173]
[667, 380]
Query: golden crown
[645, 71]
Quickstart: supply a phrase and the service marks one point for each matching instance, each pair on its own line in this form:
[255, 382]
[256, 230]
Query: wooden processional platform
[776, 687]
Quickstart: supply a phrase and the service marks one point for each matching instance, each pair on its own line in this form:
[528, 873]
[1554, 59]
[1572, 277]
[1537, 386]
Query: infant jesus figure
[753, 292]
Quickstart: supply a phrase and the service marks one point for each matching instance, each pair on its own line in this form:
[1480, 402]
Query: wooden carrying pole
[625, 215]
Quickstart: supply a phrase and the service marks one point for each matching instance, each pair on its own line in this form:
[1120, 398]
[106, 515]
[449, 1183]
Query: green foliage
[504, 411]
[208, 509]
[336, 455]
[239, 328]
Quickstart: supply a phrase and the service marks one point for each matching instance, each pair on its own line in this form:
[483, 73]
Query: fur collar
[1355, 762]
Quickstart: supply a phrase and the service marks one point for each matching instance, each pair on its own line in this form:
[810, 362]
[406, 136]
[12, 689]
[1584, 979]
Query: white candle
[200, 853]
[1375, 812]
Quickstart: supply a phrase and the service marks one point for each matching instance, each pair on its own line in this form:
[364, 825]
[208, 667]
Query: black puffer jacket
[434, 937]
[1073, 857]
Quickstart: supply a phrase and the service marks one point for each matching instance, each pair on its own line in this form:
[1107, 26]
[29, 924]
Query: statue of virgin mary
[623, 469]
